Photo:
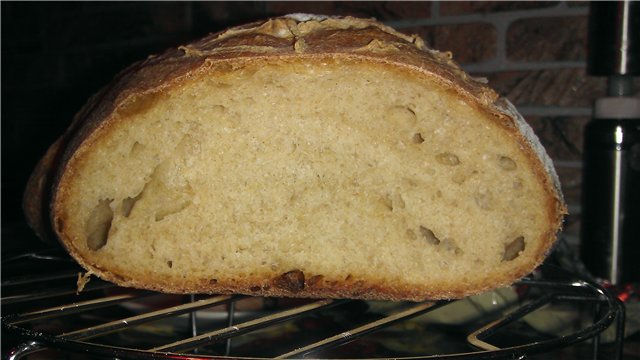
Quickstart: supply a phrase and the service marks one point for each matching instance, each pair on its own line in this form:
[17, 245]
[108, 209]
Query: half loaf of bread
[301, 156]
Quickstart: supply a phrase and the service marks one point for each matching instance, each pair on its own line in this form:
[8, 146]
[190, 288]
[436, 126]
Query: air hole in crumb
[400, 116]
[292, 281]
[483, 200]
[172, 209]
[170, 264]
[213, 281]
[517, 184]
[417, 138]
[458, 178]
[513, 249]
[99, 224]
[410, 182]
[386, 201]
[448, 159]
[428, 235]
[136, 149]
[219, 109]
[128, 204]
[394, 201]
[506, 163]
[397, 201]
[450, 245]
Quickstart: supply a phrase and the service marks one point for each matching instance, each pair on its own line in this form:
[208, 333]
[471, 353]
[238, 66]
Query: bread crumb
[83, 280]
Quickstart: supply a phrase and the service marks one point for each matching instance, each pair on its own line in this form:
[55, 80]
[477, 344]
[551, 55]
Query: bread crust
[290, 38]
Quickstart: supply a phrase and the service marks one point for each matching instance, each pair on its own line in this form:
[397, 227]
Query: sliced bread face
[320, 174]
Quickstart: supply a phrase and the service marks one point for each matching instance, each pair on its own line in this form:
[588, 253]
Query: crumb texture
[338, 172]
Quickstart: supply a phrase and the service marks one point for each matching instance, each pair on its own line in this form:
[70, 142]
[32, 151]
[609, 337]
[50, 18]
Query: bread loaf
[301, 156]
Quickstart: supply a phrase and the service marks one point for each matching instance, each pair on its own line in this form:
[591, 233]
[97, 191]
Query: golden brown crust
[282, 39]
[306, 287]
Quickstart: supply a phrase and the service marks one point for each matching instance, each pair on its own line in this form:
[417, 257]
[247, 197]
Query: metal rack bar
[572, 284]
[77, 307]
[615, 311]
[25, 349]
[230, 320]
[24, 280]
[245, 327]
[620, 323]
[15, 299]
[116, 325]
[475, 338]
[47, 254]
[193, 320]
[350, 335]
[595, 349]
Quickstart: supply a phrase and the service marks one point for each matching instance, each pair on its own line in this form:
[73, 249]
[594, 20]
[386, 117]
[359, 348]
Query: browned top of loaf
[293, 36]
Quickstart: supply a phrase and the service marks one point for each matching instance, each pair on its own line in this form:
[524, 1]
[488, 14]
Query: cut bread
[302, 156]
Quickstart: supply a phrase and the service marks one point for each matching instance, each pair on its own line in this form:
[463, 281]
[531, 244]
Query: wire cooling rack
[549, 310]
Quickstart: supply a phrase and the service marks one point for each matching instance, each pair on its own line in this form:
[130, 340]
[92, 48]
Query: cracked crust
[296, 36]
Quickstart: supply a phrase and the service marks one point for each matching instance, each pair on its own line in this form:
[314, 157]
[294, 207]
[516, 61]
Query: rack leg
[230, 320]
[193, 321]
[620, 324]
[596, 339]
[23, 350]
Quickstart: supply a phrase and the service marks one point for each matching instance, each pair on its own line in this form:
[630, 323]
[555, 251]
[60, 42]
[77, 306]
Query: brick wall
[55, 55]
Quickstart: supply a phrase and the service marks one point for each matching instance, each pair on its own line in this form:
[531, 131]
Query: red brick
[547, 39]
[561, 136]
[381, 10]
[564, 87]
[469, 43]
[448, 8]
